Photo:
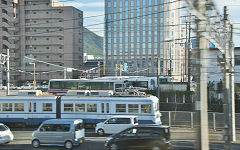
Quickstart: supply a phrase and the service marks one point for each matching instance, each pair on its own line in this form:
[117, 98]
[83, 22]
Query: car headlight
[109, 139]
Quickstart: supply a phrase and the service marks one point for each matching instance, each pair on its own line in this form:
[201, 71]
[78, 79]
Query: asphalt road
[182, 139]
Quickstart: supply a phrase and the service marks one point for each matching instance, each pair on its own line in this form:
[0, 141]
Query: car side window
[46, 127]
[130, 132]
[123, 121]
[144, 133]
[112, 121]
[55, 127]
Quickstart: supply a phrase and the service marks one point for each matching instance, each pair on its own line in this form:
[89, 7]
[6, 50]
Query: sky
[96, 8]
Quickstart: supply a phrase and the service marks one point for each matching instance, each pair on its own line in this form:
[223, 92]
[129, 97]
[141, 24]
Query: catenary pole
[201, 78]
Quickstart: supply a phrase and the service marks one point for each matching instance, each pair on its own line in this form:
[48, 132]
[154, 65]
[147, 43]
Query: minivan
[59, 132]
[145, 137]
[115, 124]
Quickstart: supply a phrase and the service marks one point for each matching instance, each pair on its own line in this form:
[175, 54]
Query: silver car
[59, 132]
[5, 134]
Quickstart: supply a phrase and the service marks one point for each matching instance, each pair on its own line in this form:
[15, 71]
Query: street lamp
[34, 77]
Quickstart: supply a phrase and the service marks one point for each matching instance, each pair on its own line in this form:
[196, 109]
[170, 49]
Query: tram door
[105, 109]
[32, 113]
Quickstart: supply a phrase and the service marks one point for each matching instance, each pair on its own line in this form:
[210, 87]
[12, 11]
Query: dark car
[147, 137]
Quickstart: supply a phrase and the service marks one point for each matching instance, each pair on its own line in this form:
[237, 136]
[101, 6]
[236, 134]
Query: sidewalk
[183, 134]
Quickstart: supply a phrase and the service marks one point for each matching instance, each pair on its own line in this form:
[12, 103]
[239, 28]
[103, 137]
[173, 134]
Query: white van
[59, 132]
[115, 124]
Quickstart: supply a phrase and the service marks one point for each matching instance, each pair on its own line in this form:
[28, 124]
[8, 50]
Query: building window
[237, 60]
[121, 108]
[47, 107]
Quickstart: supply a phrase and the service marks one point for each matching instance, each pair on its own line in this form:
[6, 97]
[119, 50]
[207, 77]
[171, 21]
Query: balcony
[32, 51]
[44, 42]
[9, 45]
[45, 25]
[47, 16]
[37, 7]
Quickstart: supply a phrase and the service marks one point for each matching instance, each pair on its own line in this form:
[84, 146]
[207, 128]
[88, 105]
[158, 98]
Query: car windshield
[3, 128]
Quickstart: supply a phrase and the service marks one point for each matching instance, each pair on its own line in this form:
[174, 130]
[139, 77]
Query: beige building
[43, 30]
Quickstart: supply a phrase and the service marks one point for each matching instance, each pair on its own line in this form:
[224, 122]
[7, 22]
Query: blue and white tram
[32, 110]
[96, 109]
[29, 110]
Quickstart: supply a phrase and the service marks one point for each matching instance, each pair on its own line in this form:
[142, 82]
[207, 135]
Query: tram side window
[19, 107]
[7, 107]
[70, 85]
[83, 86]
[121, 108]
[79, 107]
[146, 108]
[55, 85]
[132, 108]
[91, 107]
[47, 107]
[68, 107]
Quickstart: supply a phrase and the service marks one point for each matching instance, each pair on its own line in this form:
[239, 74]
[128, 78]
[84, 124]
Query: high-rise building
[144, 35]
[44, 30]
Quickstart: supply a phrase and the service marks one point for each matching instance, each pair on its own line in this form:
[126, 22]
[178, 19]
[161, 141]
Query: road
[182, 139]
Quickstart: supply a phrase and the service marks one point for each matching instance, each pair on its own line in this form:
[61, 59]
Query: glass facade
[136, 34]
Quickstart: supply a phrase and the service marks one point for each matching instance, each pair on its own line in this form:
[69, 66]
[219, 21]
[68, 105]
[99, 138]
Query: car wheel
[100, 132]
[156, 147]
[68, 145]
[35, 143]
[113, 147]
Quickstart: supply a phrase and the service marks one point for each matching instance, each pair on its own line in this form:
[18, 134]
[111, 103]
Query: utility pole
[8, 73]
[232, 88]
[201, 106]
[229, 112]
[189, 55]
[158, 71]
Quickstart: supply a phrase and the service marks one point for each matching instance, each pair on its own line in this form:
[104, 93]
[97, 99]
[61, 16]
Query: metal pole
[188, 54]
[65, 73]
[232, 88]
[158, 70]
[214, 121]
[34, 75]
[8, 73]
[201, 106]
[192, 120]
[226, 103]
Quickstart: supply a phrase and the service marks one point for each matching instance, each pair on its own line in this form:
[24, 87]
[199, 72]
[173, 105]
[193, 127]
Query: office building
[141, 32]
